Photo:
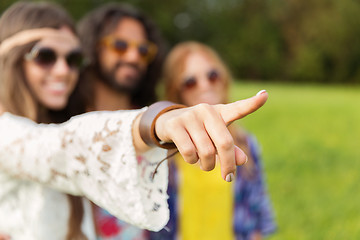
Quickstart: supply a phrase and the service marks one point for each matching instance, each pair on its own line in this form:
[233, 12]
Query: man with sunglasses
[125, 52]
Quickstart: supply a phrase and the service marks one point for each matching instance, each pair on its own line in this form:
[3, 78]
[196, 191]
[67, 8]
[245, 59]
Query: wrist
[148, 120]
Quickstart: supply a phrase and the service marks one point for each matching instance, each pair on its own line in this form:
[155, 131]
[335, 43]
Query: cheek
[73, 80]
[143, 66]
[107, 59]
[222, 92]
[187, 98]
[33, 76]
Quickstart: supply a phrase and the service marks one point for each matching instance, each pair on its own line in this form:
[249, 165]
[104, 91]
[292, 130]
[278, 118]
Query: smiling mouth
[57, 87]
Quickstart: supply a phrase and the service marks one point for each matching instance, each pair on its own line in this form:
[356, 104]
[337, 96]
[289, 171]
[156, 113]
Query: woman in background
[194, 74]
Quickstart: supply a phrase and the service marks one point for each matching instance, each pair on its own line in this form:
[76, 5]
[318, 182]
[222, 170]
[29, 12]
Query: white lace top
[91, 155]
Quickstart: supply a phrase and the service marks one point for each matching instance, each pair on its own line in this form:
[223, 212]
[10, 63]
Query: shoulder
[244, 138]
[254, 146]
[242, 135]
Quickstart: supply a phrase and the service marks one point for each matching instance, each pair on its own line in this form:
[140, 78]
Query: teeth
[57, 86]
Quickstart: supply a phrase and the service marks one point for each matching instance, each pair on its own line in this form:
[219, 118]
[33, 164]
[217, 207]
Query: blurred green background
[311, 151]
[307, 55]
[287, 40]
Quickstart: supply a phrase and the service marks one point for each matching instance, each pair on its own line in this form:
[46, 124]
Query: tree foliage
[292, 40]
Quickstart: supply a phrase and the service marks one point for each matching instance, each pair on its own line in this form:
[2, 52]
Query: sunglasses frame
[36, 51]
[109, 41]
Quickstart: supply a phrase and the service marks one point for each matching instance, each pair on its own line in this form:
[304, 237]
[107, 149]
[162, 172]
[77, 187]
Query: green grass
[311, 151]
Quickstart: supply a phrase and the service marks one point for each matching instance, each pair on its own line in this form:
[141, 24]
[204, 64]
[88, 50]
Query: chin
[56, 106]
[129, 83]
[207, 101]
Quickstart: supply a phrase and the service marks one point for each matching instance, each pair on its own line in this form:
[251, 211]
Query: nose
[132, 55]
[61, 68]
[204, 83]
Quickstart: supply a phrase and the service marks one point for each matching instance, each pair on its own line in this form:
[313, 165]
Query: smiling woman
[39, 63]
[51, 68]
[40, 59]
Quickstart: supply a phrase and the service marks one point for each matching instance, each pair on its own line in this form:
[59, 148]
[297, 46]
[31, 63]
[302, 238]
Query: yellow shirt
[205, 203]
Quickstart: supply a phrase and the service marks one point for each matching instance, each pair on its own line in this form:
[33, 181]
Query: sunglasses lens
[144, 50]
[45, 56]
[75, 59]
[213, 76]
[189, 83]
[120, 46]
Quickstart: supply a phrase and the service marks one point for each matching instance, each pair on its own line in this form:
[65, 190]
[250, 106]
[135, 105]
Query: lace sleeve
[90, 155]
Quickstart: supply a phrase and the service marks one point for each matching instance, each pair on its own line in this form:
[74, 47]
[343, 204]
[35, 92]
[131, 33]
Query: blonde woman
[195, 74]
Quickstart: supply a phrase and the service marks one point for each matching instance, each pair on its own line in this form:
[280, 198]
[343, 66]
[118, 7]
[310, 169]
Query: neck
[107, 99]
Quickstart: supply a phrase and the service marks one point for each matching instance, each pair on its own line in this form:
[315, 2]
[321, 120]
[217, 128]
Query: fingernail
[246, 160]
[229, 177]
[261, 92]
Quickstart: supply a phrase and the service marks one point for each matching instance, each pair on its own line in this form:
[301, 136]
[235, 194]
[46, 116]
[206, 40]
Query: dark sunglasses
[147, 50]
[47, 57]
[212, 76]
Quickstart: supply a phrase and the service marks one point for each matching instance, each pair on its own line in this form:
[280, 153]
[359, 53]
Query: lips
[130, 72]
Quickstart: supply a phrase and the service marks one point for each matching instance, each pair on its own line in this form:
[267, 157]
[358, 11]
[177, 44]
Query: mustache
[120, 64]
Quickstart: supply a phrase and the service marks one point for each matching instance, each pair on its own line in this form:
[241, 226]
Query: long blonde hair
[15, 95]
[174, 67]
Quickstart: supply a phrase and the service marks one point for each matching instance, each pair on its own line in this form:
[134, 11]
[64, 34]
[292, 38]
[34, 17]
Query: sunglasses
[212, 76]
[147, 50]
[47, 57]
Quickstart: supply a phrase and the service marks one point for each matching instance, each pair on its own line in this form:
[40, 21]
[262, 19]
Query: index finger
[239, 109]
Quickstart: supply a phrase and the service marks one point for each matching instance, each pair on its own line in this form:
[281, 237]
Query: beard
[127, 85]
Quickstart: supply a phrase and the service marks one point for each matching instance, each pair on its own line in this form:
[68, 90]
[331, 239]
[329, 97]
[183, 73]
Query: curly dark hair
[100, 22]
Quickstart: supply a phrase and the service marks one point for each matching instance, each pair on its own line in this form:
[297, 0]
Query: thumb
[239, 109]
